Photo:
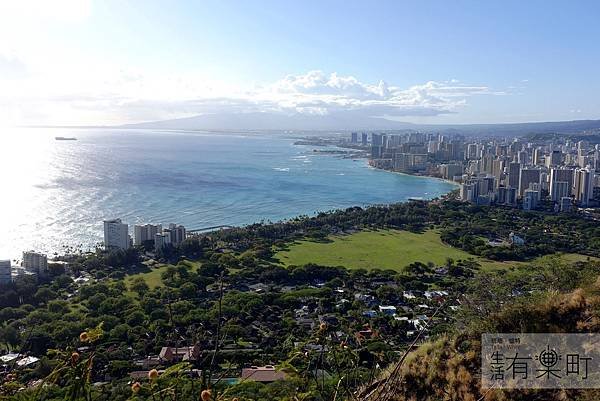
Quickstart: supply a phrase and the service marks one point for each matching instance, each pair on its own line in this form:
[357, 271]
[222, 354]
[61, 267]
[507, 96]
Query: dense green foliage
[225, 293]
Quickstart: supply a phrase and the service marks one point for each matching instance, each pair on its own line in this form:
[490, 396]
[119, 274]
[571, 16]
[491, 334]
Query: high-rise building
[501, 150]
[146, 232]
[506, 196]
[537, 187]
[35, 262]
[364, 138]
[526, 177]
[116, 234]
[406, 162]
[468, 192]
[565, 204]
[584, 161]
[455, 150]
[561, 175]
[523, 157]
[471, 153]
[487, 185]
[449, 171]
[478, 190]
[488, 163]
[583, 187]
[416, 137]
[376, 151]
[5, 272]
[355, 137]
[161, 240]
[530, 199]
[433, 146]
[514, 174]
[177, 233]
[538, 154]
[554, 159]
[559, 190]
[498, 169]
[393, 141]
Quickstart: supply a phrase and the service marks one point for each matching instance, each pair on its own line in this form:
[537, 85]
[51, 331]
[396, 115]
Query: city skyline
[105, 63]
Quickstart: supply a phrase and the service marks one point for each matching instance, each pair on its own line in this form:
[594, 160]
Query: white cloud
[99, 94]
[44, 81]
[333, 93]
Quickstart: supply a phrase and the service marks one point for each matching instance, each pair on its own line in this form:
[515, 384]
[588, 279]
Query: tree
[191, 247]
[44, 294]
[168, 276]
[138, 284]
[136, 318]
[388, 294]
[189, 290]
[120, 332]
[63, 281]
[58, 306]
[9, 336]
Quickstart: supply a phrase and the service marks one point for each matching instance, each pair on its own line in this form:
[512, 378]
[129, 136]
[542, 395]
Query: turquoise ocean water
[55, 194]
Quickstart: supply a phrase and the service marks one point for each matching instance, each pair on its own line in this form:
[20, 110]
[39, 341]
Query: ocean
[55, 194]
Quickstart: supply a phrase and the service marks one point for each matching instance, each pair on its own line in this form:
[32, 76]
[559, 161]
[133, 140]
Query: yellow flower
[74, 358]
[135, 387]
[153, 374]
[205, 395]
[322, 326]
[84, 337]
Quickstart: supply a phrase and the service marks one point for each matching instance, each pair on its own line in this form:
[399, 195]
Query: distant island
[64, 138]
[339, 122]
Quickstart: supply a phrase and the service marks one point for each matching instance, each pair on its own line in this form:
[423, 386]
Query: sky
[86, 62]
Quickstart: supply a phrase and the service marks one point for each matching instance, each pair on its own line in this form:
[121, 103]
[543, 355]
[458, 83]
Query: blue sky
[444, 62]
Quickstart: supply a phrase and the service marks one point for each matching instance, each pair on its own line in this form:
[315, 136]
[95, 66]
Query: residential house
[178, 354]
[262, 374]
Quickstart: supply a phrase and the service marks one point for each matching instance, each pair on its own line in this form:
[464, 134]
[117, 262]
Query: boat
[65, 138]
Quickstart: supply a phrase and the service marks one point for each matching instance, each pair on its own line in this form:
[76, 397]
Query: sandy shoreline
[454, 183]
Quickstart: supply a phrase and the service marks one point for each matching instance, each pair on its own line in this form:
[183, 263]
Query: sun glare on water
[26, 162]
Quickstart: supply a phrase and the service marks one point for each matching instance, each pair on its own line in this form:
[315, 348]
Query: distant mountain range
[276, 122]
[345, 122]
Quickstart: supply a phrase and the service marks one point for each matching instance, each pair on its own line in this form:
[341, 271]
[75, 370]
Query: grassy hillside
[384, 249]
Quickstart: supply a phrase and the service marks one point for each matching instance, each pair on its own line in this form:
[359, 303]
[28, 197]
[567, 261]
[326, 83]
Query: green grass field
[384, 249]
[153, 277]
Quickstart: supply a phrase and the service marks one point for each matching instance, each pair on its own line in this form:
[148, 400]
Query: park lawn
[389, 249]
[154, 277]
[383, 249]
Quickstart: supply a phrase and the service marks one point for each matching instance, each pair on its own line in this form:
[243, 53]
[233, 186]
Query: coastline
[82, 231]
[61, 256]
[453, 183]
